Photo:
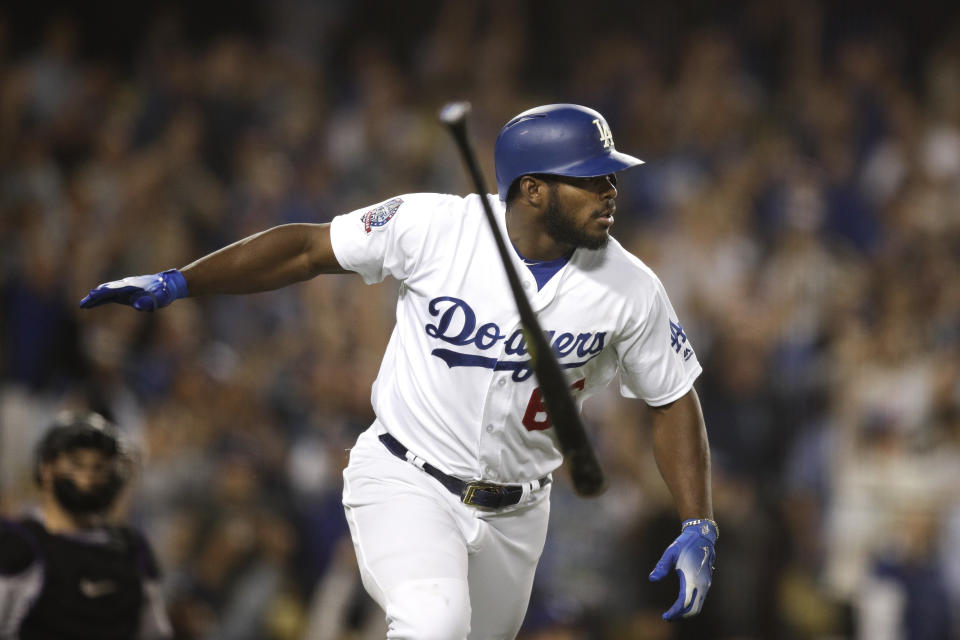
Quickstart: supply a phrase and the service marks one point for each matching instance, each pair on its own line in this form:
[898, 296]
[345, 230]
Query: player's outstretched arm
[264, 261]
[683, 457]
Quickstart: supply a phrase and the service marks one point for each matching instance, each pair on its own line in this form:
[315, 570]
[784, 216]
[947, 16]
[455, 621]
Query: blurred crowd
[800, 201]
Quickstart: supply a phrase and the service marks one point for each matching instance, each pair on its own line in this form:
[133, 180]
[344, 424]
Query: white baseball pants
[440, 569]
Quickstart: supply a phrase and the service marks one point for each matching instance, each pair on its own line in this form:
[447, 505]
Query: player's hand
[693, 556]
[143, 293]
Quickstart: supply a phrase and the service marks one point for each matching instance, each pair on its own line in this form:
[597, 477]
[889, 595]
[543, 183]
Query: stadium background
[801, 202]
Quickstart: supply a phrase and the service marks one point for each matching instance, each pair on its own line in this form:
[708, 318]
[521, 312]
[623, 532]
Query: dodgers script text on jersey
[457, 325]
[454, 385]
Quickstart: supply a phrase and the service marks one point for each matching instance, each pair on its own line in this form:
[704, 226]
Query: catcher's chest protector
[89, 590]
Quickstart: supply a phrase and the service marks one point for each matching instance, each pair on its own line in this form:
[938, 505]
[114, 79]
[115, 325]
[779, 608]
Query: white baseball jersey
[455, 385]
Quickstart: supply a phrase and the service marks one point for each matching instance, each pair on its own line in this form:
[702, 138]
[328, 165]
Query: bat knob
[454, 113]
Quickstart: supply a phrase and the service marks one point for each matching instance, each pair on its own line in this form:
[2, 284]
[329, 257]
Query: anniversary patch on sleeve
[381, 214]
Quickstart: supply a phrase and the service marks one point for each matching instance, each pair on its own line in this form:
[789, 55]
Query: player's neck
[527, 232]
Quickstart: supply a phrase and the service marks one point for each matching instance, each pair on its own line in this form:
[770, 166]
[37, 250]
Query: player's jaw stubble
[563, 226]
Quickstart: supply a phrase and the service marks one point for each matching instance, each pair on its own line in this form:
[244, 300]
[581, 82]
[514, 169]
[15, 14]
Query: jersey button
[526, 285]
[502, 381]
[489, 428]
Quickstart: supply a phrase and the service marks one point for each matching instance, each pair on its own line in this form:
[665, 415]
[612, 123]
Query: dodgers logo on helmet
[557, 139]
[379, 216]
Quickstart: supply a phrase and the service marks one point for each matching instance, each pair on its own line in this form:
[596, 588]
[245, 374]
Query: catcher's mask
[72, 431]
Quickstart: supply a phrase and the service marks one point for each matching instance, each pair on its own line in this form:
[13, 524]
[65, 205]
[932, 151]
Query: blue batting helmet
[557, 139]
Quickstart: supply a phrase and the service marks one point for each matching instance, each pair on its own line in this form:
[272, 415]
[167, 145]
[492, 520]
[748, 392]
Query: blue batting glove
[693, 556]
[143, 293]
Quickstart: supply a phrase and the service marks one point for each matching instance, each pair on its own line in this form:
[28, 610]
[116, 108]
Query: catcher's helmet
[76, 430]
[557, 139]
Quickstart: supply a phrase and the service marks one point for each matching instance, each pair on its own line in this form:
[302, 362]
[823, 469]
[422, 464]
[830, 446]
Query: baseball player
[65, 572]
[447, 492]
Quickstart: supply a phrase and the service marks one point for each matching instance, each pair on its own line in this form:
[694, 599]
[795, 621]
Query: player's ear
[533, 191]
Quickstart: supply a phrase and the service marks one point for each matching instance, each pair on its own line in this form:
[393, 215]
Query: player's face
[580, 210]
[83, 481]
[87, 468]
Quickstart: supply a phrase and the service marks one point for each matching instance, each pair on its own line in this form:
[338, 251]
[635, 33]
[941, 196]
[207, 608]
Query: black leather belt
[477, 494]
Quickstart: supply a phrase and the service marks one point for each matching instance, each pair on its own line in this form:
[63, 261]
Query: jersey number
[536, 417]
